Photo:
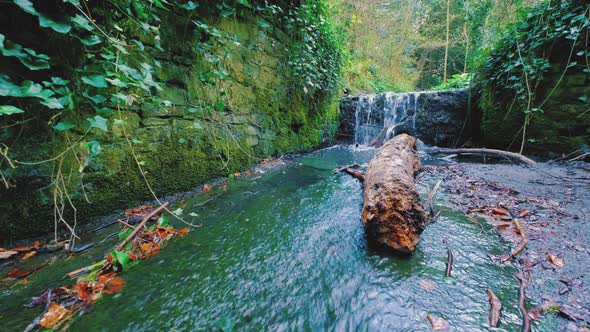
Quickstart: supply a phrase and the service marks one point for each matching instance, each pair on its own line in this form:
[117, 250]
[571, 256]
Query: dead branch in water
[526, 320]
[493, 152]
[350, 170]
[496, 308]
[141, 224]
[433, 214]
[522, 245]
[449, 262]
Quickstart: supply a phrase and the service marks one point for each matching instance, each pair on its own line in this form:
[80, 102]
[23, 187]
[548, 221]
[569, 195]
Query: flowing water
[286, 251]
[376, 113]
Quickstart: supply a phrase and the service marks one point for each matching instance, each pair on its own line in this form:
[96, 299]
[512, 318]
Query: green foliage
[522, 54]
[458, 81]
[527, 78]
[316, 55]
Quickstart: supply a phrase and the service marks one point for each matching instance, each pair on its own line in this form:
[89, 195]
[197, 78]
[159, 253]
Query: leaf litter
[100, 278]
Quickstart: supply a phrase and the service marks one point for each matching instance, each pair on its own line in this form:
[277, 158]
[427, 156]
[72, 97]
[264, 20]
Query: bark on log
[392, 214]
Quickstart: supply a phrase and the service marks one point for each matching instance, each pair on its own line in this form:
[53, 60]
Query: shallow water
[286, 250]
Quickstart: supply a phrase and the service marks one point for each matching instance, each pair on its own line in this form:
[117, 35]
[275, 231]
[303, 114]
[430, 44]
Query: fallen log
[492, 152]
[392, 214]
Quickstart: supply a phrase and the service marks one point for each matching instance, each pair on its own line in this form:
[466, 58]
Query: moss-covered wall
[535, 82]
[181, 145]
[562, 126]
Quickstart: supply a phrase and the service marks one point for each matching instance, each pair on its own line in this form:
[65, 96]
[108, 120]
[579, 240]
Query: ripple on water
[287, 251]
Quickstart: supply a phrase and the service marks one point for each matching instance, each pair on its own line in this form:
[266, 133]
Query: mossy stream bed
[284, 251]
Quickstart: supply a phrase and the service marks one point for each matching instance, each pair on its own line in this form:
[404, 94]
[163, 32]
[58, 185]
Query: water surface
[285, 251]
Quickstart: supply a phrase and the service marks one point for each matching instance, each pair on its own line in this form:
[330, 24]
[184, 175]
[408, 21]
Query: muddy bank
[552, 204]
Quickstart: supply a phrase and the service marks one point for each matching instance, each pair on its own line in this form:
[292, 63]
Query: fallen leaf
[524, 213]
[21, 248]
[500, 211]
[114, 285]
[237, 174]
[53, 316]
[427, 285]
[495, 308]
[438, 323]
[16, 273]
[37, 245]
[555, 260]
[138, 210]
[7, 254]
[206, 188]
[29, 255]
[24, 281]
[249, 172]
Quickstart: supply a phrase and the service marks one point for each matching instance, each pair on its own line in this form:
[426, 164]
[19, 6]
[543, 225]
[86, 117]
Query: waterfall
[378, 116]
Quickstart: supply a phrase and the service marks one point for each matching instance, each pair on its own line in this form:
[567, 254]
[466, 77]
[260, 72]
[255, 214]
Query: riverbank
[552, 204]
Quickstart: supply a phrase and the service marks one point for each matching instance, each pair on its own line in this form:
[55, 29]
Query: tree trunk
[447, 41]
[392, 214]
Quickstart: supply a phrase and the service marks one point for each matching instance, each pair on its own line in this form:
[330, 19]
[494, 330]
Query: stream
[284, 251]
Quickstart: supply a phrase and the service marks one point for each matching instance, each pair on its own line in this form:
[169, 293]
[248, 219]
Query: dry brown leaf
[249, 172]
[36, 245]
[114, 285]
[524, 213]
[138, 210]
[206, 188]
[495, 308]
[18, 273]
[237, 174]
[427, 285]
[29, 255]
[21, 248]
[7, 254]
[551, 258]
[500, 211]
[438, 323]
[24, 281]
[53, 316]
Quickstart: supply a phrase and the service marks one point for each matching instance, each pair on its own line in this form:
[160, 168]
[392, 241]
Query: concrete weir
[440, 118]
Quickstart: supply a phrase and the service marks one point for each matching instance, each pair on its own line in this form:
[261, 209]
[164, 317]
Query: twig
[431, 193]
[141, 224]
[522, 245]
[349, 170]
[496, 308]
[449, 262]
[526, 320]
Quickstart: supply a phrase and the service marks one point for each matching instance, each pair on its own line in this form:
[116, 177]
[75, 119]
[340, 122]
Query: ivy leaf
[63, 126]
[9, 109]
[27, 56]
[82, 22]
[219, 106]
[190, 5]
[92, 40]
[97, 81]
[52, 103]
[93, 148]
[98, 122]
[245, 3]
[98, 99]
[44, 21]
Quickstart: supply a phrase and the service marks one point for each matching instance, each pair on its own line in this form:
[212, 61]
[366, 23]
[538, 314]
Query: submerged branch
[493, 152]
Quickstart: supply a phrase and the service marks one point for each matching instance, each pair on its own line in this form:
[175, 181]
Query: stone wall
[256, 114]
[441, 117]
